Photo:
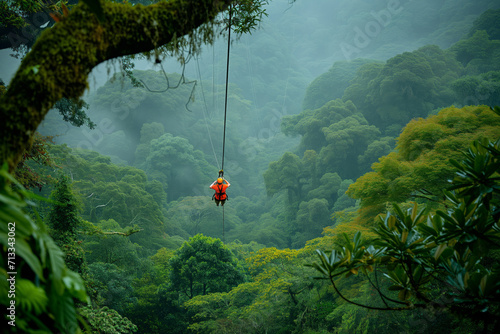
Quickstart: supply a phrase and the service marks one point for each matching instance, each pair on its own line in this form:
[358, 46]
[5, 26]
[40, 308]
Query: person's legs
[222, 202]
[217, 202]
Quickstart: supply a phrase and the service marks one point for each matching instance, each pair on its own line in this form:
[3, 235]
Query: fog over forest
[361, 147]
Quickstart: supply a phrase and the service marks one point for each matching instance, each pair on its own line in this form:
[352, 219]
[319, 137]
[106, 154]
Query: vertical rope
[225, 114]
[227, 84]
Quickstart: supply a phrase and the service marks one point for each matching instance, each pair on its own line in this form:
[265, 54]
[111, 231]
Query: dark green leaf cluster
[46, 289]
[446, 258]
[73, 112]
[407, 86]
[248, 15]
[488, 21]
[63, 218]
[106, 320]
[201, 266]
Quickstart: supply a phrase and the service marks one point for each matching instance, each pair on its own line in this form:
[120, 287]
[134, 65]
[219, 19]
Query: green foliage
[198, 215]
[73, 112]
[112, 249]
[116, 192]
[343, 202]
[96, 8]
[248, 15]
[310, 123]
[359, 90]
[149, 131]
[328, 190]
[270, 301]
[38, 155]
[266, 229]
[400, 90]
[422, 152]
[63, 219]
[339, 140]
[17, 31]
[77, 40]
[107, 321]
[478, 176]
[478, 89]
[45, 287]
[201, 266]
[478, 53]
[285, 175]
[312, 217]
[450, 250]
[487, 21]
[375, 150]
[332, 84]
[346, 140]
[150, 308]
[174, 161]
[116, 288]
[337, 132]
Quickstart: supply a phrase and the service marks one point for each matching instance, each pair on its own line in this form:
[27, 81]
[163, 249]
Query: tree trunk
[62, 58]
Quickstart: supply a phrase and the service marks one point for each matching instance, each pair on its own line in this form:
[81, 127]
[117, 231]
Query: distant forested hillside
[354, 114]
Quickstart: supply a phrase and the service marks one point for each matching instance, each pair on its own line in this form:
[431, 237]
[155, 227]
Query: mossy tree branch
[62, 58]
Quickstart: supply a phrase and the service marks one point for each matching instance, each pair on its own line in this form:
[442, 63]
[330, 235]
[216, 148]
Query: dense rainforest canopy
[362, 148]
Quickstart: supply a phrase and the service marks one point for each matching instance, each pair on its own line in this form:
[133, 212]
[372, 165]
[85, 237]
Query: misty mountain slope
[340, 138]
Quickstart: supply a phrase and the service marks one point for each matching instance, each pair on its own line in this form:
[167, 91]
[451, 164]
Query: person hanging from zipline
[220, 187]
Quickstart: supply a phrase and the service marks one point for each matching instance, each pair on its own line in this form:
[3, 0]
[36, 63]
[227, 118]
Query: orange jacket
[220, 190]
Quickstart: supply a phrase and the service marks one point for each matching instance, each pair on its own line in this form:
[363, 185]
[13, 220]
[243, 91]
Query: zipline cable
[225, 113]
[227, 84]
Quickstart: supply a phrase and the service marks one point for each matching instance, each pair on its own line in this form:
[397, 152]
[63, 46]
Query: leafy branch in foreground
[45, 289]
[444, 259]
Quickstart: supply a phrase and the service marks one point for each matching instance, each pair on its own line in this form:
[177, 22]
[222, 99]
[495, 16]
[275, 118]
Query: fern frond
[64, 310]
[29, 297]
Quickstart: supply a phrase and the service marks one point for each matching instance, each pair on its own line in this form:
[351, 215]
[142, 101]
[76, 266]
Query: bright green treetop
[423, 151]
[203, 265]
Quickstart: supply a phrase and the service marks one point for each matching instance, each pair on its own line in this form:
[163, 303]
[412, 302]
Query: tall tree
[64, 222]
[178, 166]
[285, 174]
[203, 265]
[312, 217]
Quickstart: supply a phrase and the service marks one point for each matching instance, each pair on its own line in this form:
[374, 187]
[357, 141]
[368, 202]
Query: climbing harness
[220, 188]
